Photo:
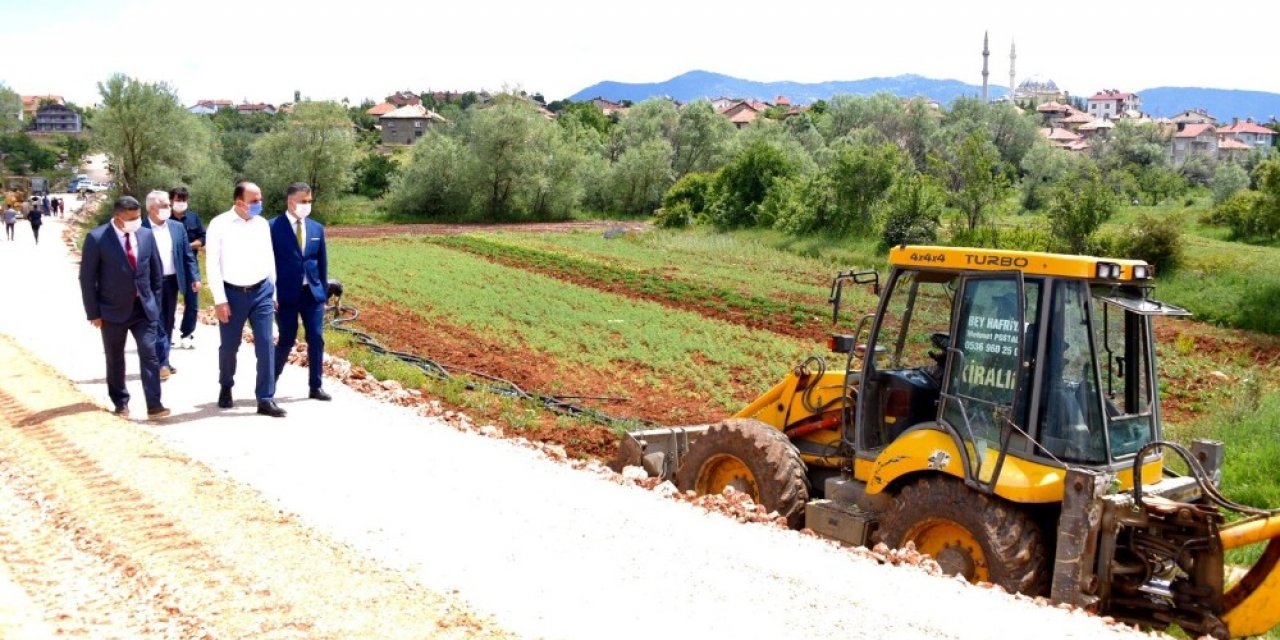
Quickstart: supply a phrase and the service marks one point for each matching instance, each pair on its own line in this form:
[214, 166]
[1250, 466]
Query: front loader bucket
[1252, 606]
[657, 451]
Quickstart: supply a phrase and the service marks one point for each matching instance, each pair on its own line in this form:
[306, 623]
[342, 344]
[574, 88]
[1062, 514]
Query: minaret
[1013, 57]
[986, 53]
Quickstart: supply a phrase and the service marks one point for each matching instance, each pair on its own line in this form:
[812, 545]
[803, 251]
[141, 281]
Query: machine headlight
[1141, 272]
[1108, 270]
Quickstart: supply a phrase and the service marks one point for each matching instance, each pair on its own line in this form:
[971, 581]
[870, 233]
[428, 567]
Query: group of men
[33, 209]
[134, 267]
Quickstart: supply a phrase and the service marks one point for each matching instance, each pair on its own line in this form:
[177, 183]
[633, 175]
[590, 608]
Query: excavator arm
[1252, 605]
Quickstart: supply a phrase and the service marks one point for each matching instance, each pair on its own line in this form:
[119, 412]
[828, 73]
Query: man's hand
[96, 322]
[224, 312]
[195, 287]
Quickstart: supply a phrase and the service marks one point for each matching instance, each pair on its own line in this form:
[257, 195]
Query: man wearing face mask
[302, 268]
[242, 278]
[181, 272]
[179, 196]
[120, 283]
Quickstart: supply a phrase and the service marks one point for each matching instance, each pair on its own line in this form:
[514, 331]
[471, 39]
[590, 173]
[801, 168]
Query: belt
[172, 276]
[249, 289]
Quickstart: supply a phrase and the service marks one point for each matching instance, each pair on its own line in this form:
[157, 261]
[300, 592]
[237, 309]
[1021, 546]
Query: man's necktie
[297, 229]
[128, 251]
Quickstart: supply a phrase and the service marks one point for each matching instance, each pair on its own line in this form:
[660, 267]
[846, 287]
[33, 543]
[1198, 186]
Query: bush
[743, 183]
[1155, 239]
[1241, 213]
[686, 201]
[1014, 238]
[913, 211]
[373, 175]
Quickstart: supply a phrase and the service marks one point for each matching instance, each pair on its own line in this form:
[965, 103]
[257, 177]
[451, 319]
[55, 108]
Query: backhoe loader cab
[1049, 361]
[1000, 411]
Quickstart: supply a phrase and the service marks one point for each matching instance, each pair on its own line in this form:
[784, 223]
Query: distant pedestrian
[178, 264]
[57, 206]
[44, 204]
[241, 268]
[120, 281]
[10, 219]
[179, 197]
[302, 277]
[34, 216]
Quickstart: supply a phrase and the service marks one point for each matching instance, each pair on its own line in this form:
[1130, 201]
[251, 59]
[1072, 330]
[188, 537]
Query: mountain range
[1223, 104]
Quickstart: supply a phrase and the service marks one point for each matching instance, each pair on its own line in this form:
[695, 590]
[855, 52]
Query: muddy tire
[981, 537]
[752, 457]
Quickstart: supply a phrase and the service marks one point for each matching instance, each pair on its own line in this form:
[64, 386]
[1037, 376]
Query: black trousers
[114, 336]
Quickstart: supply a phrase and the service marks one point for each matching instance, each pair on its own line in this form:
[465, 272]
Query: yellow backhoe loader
[1000, 410]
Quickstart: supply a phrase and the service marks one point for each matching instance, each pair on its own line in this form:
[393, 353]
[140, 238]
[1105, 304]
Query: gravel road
[531, 546]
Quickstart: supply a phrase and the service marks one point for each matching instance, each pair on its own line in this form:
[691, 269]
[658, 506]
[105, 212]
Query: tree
[10, 109]
[584, 113]
[148, 135]
[699, 138]
[1228, 180]
[76, 147]
[913, 211]
[641, 175]
[23, 156]
[651, 119]
[316, 145]
[1043, 167]
[438, 180]
[373, 175]
[499, 138]
[1078, 207]
[743, 183]
[861, 176]
[974, 175]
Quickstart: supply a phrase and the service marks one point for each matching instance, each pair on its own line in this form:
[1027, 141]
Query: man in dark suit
[181, 273]
[179, 196]
[302, 281]
[120, 282]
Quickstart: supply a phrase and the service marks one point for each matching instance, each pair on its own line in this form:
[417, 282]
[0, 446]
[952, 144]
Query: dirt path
[384, 230]
[108, 533]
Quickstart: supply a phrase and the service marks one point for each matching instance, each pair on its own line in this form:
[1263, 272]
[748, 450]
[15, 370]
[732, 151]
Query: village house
[744, 113]
[31, 103]
[208, 107]
[408, 123]
[722, 104]
[404, 98]
[608, 107]
[1194, 139]
[1064, 138]
[1248, 133]
[57, 118]
[1111, 104]
[1193, 116]
[248, 108]
[380, 109]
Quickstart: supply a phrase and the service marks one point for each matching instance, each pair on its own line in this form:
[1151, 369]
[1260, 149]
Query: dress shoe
[155, 413]
[270, 408]
[319, 394]
[224, 398]
[164, 373]
[122, 411]
[173, 369]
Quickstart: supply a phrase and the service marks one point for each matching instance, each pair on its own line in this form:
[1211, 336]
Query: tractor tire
[752, 457]
[981, 537]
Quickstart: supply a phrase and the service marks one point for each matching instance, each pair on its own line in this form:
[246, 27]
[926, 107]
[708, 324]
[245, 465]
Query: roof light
[1141, 272]
[1108, 271]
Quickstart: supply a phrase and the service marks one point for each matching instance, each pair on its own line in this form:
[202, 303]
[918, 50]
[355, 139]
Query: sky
[264, 50]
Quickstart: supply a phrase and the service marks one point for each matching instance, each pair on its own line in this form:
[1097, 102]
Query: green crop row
[617, 337]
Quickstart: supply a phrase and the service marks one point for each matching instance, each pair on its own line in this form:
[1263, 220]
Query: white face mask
[179, 207]
[163, 214]
[302, 210]
[132, 226]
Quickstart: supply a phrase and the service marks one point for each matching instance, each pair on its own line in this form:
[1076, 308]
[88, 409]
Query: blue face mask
[255, 209]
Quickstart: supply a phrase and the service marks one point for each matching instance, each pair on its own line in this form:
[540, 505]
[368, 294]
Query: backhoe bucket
[657, 451]
[1252, 606]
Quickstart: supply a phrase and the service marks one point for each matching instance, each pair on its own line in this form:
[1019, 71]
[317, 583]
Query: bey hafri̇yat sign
[991, 348]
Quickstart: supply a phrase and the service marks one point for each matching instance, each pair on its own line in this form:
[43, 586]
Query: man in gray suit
[181, 271]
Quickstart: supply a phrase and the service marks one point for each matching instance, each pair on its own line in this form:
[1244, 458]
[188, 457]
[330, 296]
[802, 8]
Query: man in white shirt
[242, 278]
[181, 272]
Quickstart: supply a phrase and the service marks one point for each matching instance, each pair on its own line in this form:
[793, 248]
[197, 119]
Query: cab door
[982, 391]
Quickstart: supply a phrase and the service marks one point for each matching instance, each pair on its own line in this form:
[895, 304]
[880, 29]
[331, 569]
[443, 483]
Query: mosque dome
[1038, 84]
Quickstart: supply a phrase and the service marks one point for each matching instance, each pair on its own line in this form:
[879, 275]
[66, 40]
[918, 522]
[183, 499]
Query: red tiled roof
[1231, 144]
[380, 109]
[215, 103]
[1246, 127]
[745, 116]
[1194, 130]
[1058, 134]
[1077, 117]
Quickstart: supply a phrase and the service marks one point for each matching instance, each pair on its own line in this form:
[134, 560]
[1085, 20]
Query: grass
[576, 326]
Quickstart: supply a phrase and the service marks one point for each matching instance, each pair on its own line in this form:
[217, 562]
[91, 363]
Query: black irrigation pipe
[344, 314]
